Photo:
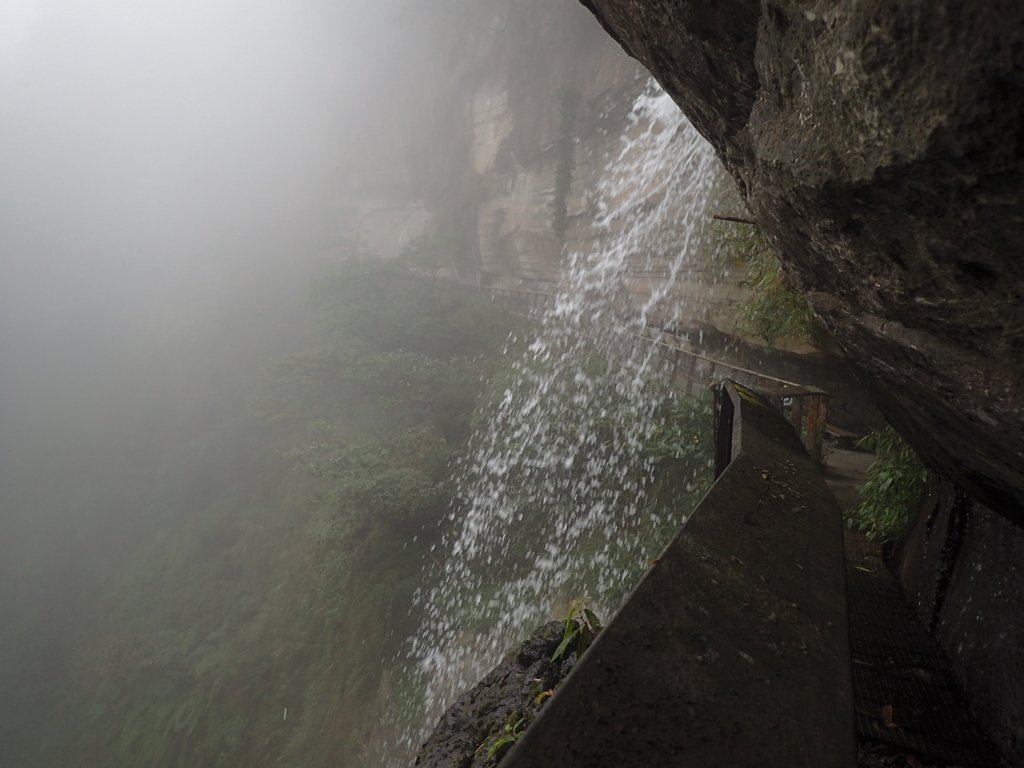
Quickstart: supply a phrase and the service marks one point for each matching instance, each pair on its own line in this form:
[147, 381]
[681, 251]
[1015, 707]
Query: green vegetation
[775, 309]
[406, 362]
[257, 565]
[515, 726]
[581, 627]
[256, 568]
[431, 253]
[895, 485]
[683, 430]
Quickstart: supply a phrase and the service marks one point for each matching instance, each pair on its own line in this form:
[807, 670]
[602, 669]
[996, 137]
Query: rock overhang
[880, 147]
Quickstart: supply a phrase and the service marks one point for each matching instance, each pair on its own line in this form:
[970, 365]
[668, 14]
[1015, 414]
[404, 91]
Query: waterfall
[554, 497]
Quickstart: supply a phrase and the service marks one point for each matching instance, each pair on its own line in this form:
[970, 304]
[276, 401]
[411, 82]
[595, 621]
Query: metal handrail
[805, 407]
[730, 366]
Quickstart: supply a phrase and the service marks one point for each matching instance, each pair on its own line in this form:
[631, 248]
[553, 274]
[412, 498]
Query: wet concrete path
[909, 712]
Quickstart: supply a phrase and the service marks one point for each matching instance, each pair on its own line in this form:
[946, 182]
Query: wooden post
[689, 374]
[675, 365]
[811, 436]
[796, 415]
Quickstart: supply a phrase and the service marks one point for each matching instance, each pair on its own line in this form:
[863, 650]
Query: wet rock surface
[959, 566]
[880, 147]
[465, 733]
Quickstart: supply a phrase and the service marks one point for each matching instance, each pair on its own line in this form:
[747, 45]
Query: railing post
[819, 429]
[796, 415]
[810, 438]
[723, 412]
[689, 374]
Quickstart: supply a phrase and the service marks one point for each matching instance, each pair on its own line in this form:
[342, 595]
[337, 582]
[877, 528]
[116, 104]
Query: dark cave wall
[961, 567]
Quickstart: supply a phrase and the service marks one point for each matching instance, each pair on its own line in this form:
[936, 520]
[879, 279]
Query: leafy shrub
[399, 495]
[895, 485]
[400, 371]
[775, 309]
[683, 430]
[429, 253]
[384, 306]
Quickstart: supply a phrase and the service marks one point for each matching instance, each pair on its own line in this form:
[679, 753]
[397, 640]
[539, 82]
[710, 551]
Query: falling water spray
[553, 501]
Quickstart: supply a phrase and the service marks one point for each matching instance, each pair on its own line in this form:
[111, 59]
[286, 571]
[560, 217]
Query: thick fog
[166, 170]
[175, 177]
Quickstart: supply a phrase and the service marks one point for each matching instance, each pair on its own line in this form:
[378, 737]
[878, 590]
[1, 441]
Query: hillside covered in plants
[239, 576]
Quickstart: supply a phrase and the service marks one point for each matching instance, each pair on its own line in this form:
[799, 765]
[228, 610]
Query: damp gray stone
[880, 146]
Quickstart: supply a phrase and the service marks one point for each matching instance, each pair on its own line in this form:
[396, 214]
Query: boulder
[511, 691]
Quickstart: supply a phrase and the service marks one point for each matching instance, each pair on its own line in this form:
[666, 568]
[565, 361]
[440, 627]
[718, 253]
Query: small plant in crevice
[568, 102]
[581, 627]
[514, 728]
[896, 482]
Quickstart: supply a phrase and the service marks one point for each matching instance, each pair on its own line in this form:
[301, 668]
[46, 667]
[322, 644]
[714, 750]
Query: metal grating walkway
[909, 712]
[904, 694]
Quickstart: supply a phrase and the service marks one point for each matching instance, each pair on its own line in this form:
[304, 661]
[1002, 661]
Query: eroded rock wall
[961, 567]
[881, 147]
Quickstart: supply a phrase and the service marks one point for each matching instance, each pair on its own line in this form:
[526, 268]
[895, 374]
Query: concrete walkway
[733, 650]
[909, 712]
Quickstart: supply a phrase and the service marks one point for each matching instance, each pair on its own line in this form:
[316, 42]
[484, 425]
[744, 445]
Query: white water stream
[553, 498]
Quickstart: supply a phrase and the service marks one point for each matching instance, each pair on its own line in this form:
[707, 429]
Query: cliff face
[547, 106]
[881, 148]
[518, 104]
[527, 102]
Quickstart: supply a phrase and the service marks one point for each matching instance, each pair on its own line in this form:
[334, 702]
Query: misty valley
[280, 474]
[245, 578]
[534, 382]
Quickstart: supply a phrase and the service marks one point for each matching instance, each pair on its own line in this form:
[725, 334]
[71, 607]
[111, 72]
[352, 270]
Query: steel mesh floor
[903, 687]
